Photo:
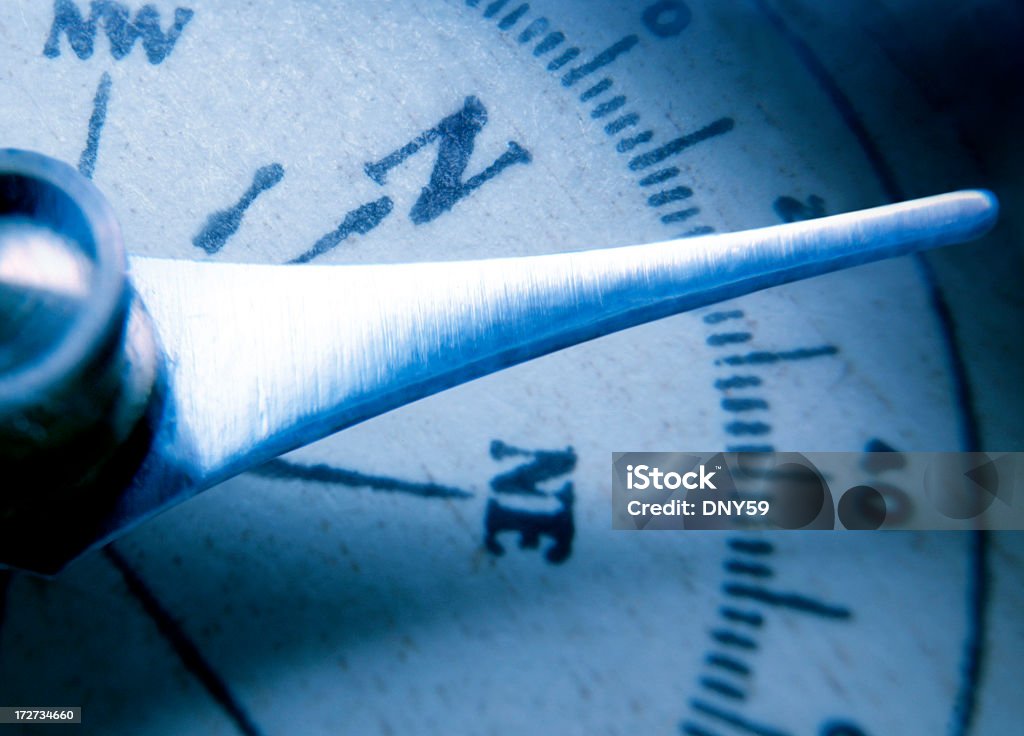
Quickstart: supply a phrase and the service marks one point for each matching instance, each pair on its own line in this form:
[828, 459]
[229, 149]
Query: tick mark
[692, 729]
[606, 108]
[223, 224]
[764, 357]
[659, 176]
[719, 127]
[722, 688]
[725, 384]
[494, 8]
[628, 144]
[725, 662]
[536, 27]
[599, 88]
[754, 569]
[699, 230]
[715, 317]
[319, 473]
[745, 404]
[841, 728]
[560, 61]
[728, 338]
[549, 43]
[735, 720]
[751, 546]
[680, 215]
[621, 123]
[745, 428]
[794, 601]
[604, 58]
[87, 163]
[360, 220]
[730, 638]
[512, 18]
[667, 196]
[183, 645]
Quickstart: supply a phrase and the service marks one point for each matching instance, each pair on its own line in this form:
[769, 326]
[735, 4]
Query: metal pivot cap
[77, 360]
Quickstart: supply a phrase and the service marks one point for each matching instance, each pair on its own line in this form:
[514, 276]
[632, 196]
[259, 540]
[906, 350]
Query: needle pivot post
[77, 357]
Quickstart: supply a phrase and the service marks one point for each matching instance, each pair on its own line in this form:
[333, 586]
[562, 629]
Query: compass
[451, 567]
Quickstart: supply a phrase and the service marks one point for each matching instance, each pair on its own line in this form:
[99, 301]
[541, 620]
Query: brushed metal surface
[261, 359]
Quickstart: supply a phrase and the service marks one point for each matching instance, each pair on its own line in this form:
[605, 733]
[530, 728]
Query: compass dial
[450, 567]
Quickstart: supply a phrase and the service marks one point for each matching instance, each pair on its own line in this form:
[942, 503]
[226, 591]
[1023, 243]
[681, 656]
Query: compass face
[450, 567]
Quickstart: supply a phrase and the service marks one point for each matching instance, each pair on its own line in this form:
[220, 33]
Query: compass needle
[329, 346]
